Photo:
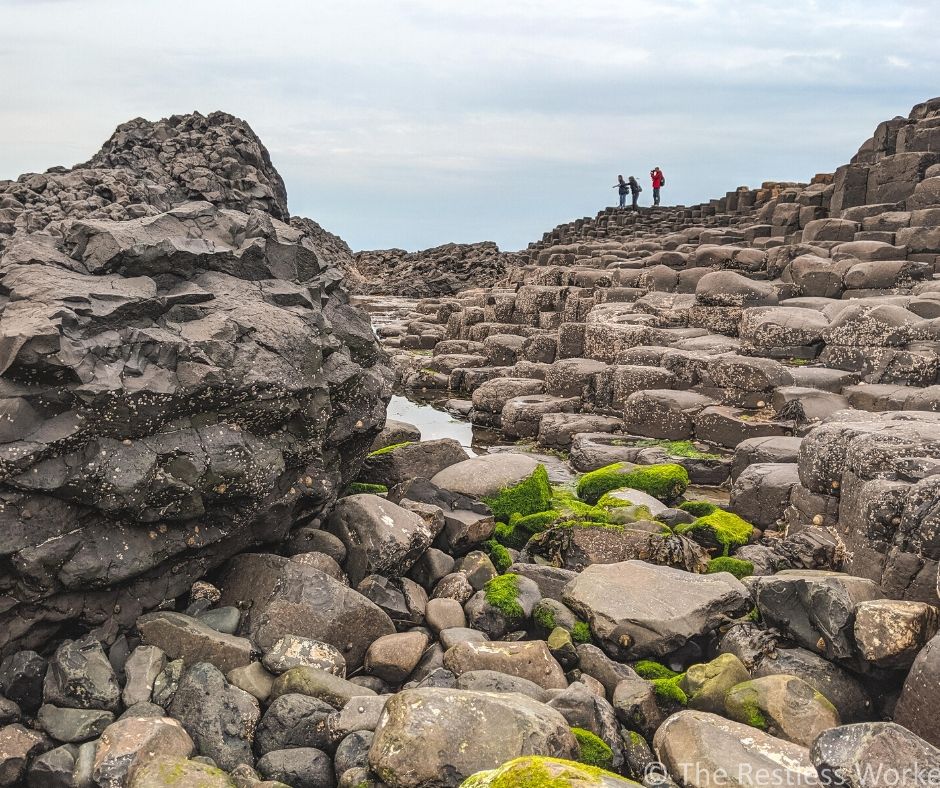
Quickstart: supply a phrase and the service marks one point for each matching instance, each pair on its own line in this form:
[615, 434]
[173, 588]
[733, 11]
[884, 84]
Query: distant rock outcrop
[182, 376]
[441, 271]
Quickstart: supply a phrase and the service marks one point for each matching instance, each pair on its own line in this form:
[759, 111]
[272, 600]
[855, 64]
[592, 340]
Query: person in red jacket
[659, 180]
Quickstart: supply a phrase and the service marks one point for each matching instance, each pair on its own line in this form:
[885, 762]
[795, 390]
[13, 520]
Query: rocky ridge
[441, 271]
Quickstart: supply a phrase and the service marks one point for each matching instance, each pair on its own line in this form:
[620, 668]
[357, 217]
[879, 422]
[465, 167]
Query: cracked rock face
[174, 387]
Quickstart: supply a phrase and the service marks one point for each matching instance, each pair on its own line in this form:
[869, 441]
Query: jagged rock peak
[149, 167]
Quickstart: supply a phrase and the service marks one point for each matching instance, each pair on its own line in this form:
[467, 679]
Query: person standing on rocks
[622, 189]
[659, 180]
[635, 190]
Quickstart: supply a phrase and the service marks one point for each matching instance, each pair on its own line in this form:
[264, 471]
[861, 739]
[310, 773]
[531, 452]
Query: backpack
[662, 180]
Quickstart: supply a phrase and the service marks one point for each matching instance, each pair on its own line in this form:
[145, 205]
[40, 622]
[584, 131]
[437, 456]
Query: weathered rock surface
[183, 377]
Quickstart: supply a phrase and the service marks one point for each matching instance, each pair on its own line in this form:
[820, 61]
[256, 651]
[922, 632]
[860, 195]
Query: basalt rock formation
[181, 373]
[441, 271]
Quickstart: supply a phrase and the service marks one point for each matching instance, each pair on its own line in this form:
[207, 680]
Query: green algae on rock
[735, 566]
[387, 449]
[665, 481]
[503, 593]
[535, 771]
[530, 496]
[720, 529]
[594, 750]
[650, 669]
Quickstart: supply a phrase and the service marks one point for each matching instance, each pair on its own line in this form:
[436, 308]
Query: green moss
[362, 487]
[736, 566]
[535, 771]
[387, 449]
[533, 523]
[510, 535]
[743, 706]
[670, 691]
[531, 495]
[678, 449]
[503, 593]
[544, 616]
[698, 508]
[799, 362]
[581, 632]
[665, 481]
[650, 669]
[589, 524]
[498, 554]
[721, 528]
[594, 750]
[636, 739]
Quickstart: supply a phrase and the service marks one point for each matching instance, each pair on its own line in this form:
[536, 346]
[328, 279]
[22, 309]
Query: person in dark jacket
[635, 190]
[622, 189]
[659, 180]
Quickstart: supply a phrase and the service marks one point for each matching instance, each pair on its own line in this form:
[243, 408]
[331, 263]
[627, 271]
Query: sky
[412, 123]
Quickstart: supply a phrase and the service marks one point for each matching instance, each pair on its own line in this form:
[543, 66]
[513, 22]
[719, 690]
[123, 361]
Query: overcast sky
[414, 123]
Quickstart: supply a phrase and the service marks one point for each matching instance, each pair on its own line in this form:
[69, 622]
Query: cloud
[415, 122]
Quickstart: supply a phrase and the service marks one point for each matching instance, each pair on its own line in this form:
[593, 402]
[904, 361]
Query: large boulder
[381, 537]
[182, 380]
[638, 610]
[286, 597]
[694, 746]
[440, 737]
[917, 706]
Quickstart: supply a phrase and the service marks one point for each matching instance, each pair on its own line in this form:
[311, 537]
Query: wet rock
[872, 754]
[141, 669]
[301, 767]
[526, 659]
[221, 619]
[316, 683]
[220, 717]
[80, 676]
[784, 706]
[695, 745]
[286, 598]
[353, 751]
[890, 633]
[292, 651]
[429, 736]
[637, 609]
[815, 608]
[917, 706]
[380, 537]
[184, 637]
[128, 745]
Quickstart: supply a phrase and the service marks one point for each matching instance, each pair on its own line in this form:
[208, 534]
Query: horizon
[495, 123]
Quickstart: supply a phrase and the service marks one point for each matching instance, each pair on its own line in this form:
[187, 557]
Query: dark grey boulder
[287, 598]
[418, 741]
[294, 720]
[220, 717]
[412, 460]
[873, 754]
[917, 706]
[21, 678]
[814, 607]
[80, 676]
[300, 767]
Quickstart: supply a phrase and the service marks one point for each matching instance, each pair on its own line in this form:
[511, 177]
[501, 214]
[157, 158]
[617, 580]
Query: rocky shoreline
[223, 566]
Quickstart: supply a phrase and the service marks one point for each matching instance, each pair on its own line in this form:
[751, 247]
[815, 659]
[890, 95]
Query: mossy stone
[707, 683]
[388, 449]
[735, 566]
[665, 481]
[720, 529]
[594, 750]
[503, 593]
[498, 554]
[650, 669]
[536, 771]
[530, 496]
